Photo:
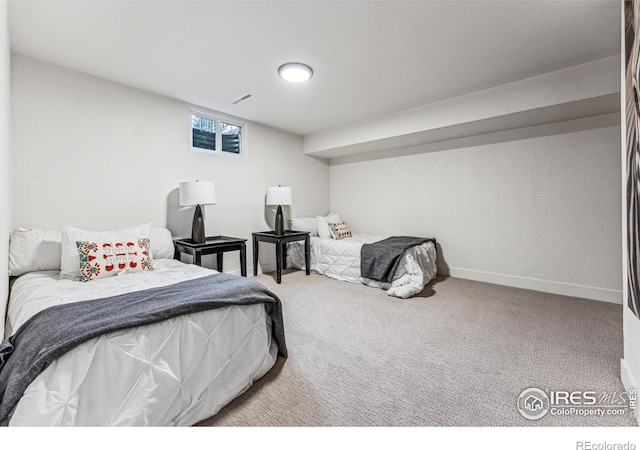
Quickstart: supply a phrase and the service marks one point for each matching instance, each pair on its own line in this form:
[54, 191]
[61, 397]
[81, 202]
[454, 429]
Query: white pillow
[309, 224]
[32, 250]
[70, 260]
[323, 224]
[161, 243]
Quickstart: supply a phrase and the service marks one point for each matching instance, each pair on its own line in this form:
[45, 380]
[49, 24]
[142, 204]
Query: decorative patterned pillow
[339, 230]
[106, 259]
[69, 258]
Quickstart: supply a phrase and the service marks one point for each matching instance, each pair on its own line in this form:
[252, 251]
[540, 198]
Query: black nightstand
[213, 244]
[281, 248]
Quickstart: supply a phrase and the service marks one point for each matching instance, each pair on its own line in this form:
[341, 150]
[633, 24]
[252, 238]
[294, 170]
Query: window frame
[218, 118]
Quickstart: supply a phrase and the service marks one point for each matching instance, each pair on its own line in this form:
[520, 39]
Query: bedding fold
[56, 330]
[379, 260]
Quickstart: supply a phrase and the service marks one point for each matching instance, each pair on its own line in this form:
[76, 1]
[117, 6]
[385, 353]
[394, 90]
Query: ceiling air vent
[241, 99]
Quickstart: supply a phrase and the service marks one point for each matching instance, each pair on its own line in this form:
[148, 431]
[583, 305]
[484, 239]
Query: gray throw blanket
[56, 330]
[379, 260]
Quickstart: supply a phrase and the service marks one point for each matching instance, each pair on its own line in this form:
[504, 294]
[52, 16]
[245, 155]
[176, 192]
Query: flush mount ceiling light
[295, 72]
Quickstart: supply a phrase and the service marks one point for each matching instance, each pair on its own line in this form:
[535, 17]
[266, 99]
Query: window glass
[203, 132]
[216, 134]
[231, 138]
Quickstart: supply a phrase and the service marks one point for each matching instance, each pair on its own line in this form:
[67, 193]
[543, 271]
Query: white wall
[5, 159]
[99, 155]
[541, 213]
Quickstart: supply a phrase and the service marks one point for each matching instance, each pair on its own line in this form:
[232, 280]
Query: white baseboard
[552, 287]
[263, 268]
[628, 381]
[236, 272]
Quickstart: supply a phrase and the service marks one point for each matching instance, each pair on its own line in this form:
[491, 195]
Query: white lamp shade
[197, 193]
[279, 195]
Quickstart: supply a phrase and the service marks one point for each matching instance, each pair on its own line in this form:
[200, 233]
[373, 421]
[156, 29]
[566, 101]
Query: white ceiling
[370, 58]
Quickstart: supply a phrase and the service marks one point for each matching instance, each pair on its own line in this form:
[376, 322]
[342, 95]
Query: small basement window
[215, 134]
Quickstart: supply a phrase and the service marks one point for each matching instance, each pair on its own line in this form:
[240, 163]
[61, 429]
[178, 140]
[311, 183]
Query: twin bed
[146, 339]
[337, 253]
[174, 364]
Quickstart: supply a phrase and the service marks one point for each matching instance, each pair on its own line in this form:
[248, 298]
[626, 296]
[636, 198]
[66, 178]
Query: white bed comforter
[175, 372]
[340, 259]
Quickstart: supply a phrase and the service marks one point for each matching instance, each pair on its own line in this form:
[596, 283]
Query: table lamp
[197, 193]
[279, 195]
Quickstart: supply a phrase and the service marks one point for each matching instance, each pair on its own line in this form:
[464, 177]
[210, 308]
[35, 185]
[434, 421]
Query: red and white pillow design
[106, 259]
[339, 230]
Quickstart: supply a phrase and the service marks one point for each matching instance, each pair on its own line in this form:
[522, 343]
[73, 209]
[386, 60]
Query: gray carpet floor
[458, 354]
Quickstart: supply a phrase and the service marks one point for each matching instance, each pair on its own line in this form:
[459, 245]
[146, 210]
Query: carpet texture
[458, 354]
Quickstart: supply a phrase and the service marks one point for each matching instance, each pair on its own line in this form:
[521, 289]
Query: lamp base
[197, 229]
[279, 228]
